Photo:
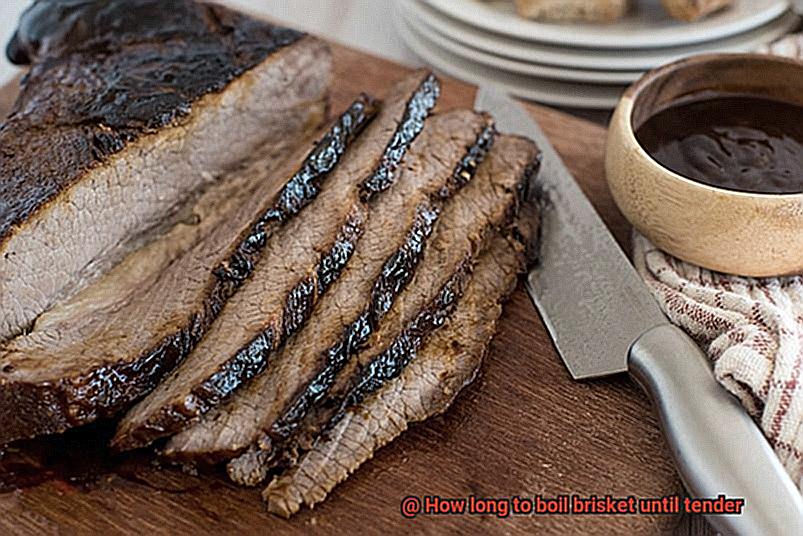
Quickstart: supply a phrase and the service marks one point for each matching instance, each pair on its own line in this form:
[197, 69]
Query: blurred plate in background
[554, 72]
[544, 90]
[590, 58]
[646, 25]
[587, 77]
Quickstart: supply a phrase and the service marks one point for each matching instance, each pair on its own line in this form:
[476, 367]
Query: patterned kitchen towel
[752, 329]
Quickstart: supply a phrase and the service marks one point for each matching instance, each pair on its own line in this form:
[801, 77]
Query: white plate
[594, 59]
[512, 65]
[546, 91]
[647, 26]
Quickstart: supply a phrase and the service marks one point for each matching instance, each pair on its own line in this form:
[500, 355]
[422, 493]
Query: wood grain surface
[523, 428]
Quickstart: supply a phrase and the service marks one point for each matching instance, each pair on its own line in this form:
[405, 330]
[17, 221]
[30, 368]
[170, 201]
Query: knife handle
[717, 447]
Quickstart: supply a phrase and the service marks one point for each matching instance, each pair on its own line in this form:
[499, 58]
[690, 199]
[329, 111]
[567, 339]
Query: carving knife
[603, 320]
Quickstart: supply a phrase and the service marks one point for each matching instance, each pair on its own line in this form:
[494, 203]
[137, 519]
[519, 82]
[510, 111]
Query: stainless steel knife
[604, 321]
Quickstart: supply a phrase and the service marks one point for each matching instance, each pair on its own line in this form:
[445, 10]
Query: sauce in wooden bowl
[738, 142]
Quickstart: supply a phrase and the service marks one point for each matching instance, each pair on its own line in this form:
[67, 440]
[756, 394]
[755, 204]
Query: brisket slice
[486, 203]
[94, 354]
[299, 265]
[112, 134]
[440, 162]
[410, 382]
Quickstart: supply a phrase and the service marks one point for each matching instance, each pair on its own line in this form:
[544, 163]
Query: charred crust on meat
[133, 67]
[57, 28]
[305, 295]
[299, 192]
[467, 167]
[399, 269]
[253, 358]
[417, 110]
[302, 188]
[453, 359]
[391, 362]
[106, 391]
[305, 185]
[288, 445]
[537, 197]
[396, 273]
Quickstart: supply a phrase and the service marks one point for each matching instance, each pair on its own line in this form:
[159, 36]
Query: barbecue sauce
[737, 142]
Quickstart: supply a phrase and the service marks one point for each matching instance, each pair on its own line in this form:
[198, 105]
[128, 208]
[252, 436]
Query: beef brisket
[487, 202]
[417, 383]
[182, 242]
[299, 265]
[115, 130]
[440, 162]
[96, 353]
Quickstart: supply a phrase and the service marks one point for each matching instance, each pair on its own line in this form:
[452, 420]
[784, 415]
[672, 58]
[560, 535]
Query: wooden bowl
[728, 231]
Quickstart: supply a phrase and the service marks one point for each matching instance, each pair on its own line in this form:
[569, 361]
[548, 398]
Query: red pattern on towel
[752, 329]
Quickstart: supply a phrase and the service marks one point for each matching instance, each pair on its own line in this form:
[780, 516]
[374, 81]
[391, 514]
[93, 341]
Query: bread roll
[572, 10]
[691, 10]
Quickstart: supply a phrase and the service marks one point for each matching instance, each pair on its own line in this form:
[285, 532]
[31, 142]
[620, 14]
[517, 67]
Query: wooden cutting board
[523, 428]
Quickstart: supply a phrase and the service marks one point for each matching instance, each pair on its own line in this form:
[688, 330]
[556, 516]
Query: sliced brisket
[440, 162]
[117, 128]
[299, 265]
[111, 343]
[175, 244]
[411, 382]
[487, 202]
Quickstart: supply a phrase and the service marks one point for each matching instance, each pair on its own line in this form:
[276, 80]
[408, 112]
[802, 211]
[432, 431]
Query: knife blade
[603, 320]
[593, 302]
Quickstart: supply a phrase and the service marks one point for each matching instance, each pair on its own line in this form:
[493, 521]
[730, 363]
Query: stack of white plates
[580, 65]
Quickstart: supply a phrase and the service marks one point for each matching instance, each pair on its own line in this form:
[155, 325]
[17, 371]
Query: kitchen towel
[752, 329]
